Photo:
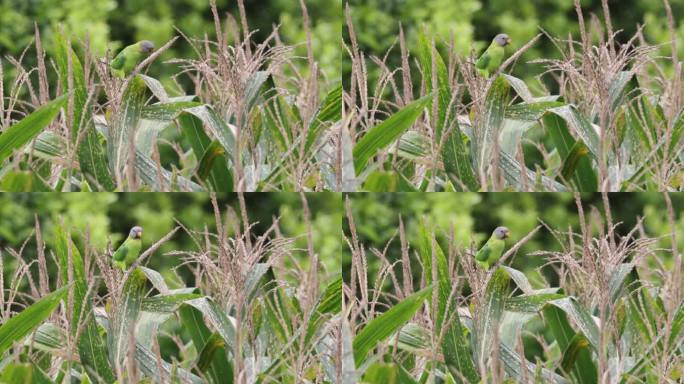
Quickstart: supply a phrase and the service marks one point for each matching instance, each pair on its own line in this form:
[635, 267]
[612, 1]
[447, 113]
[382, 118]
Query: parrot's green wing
[484, 252]
[127, 253]
[483, 62]
[118, 61]
[490, 60]
[120, 255]
[482, 255]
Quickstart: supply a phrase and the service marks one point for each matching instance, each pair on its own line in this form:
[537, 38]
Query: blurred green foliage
[114, 24]
[107, 217]
[471, 24]
[473, 217]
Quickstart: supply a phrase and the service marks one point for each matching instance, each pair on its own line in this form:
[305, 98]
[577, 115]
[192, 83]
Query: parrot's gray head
[135, 233]
[146, 46]
[501, 233]
[502, 39]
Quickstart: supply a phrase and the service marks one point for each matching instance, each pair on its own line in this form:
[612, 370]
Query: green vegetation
[588, 287]
[602, 112]
[218, 297]
[235, 113]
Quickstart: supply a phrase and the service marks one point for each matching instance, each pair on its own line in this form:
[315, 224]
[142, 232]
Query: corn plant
[613, 318]
[615, 123]
[241, 321]
[254, 119]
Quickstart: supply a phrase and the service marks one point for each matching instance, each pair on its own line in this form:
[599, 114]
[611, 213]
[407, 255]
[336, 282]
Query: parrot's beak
[509, 41]
[507, 234]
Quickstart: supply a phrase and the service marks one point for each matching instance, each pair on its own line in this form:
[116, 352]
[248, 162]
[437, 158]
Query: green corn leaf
[582, 367]
[23, 373]
[387, 323]
[330, 111]
[520, 87]
[457, 164]
[48, 337]
[530, 303]
[617, 280]
[167, 111]
[329, 303]
[91, 153]
[331, 300]
[23, 181]
[159, 178]
[21, 133]
[580, 317]
[91, 346]
[531, 111]
[215, 126]
[213, 345]
[254, 84]
[513, 173]
[491, 122]
[676, 141]
[457, 355]
[579, 156]
[387, 373]
[621, 88]
[514, 365]
[583, 174]
[149, 365]
[220, 178]
[125, 317]
[218, 369]
[166, 303]
[125, 125]
[383, 134]
[212, 167]
[18, 326]
[217, 318]
[387, 181]
[50, 145]
[579, 125]
[579, 345]
[519, 279]
[489, 315]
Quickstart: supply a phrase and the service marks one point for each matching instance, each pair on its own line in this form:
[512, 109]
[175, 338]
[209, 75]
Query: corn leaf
[125, 317]
[91, 346]
[384, 325]
[92, 157]
[383, 134]
[489, 314]
[218, 369]
[29, 127]
[13, 330]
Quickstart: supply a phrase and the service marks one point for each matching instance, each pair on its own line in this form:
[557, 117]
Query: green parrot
[130, 57]
[129, 251]
[490, 253]
[492, 58]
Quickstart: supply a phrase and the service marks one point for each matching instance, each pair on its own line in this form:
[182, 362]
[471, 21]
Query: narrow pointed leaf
[91, 346]
[489, 314]
[21, 133]
[383, 134]
[92, 156]
[18, 326]
[125, 318]
[387, 323]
